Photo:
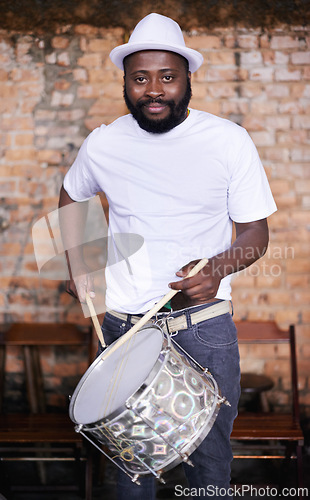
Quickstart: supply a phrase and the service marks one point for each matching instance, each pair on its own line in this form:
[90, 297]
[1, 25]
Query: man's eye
[140, 79]
[168, 78]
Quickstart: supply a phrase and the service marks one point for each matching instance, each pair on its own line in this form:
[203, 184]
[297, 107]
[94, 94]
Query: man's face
[157, 89]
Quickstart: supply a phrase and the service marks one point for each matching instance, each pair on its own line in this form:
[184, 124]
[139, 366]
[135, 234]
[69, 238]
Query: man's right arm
[72, 219]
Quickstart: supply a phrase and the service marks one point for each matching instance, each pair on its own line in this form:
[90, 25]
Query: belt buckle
[172, 334]
[159, 321]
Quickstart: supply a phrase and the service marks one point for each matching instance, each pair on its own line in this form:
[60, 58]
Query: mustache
[156, 100]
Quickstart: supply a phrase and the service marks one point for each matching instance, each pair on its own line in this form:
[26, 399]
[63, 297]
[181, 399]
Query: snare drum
[146, 402]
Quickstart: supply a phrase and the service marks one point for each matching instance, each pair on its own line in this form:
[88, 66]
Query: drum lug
[187, 460]
[78, 428]
[223, 400]
[166, 349]
[159, 478]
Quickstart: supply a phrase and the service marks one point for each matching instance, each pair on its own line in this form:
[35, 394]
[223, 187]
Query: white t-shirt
[179, 190]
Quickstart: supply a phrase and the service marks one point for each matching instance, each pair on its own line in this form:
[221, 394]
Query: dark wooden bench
[269, 434]
[40, 435]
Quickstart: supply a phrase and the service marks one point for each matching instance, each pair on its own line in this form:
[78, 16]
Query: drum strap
[180, 322]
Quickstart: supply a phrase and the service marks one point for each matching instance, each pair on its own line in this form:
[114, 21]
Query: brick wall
[55, 88]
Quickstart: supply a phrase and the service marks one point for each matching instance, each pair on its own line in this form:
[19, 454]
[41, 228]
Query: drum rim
[122, 408]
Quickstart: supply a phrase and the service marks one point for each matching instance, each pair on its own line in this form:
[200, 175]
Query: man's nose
[155, 88]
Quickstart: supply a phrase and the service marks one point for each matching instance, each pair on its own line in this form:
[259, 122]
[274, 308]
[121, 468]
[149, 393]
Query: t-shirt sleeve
[249, 194]
[79, 181]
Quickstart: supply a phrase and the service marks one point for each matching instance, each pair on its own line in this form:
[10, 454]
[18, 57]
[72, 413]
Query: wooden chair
[40, 435]
[269, 434]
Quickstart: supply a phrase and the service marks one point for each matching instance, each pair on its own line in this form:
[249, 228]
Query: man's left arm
[250, 244]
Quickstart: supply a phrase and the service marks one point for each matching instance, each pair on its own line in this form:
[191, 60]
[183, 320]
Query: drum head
[113, 378]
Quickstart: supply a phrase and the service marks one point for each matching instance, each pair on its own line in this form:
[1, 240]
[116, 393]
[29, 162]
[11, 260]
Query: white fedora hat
[157, 32]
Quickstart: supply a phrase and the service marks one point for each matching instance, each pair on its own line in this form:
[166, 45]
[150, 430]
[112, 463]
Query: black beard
[176, 116]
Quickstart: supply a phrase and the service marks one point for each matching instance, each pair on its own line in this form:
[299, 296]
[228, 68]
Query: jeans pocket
[112, 328]
[217, 332]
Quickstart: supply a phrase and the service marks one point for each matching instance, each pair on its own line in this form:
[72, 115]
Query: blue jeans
[213, 344]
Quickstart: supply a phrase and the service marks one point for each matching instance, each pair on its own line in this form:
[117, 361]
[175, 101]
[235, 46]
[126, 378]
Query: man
[179, 178]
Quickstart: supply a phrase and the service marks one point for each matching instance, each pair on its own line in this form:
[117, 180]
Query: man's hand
[81, 284]
[250, 244]
[196, 290]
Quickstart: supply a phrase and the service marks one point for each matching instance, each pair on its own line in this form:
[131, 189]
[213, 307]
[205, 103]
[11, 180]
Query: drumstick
[95, 320]
[154, 309]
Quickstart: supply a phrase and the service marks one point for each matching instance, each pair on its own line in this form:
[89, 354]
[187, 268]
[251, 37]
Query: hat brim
[117, 55]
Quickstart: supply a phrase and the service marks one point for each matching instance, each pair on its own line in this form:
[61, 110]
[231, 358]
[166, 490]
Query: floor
[250, 479]
[261, 474]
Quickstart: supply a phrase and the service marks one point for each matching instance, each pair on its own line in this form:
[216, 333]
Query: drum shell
[154, 430]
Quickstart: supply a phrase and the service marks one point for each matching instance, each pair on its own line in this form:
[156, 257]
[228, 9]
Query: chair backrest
[31, 336]
[267, 332]
[45, 334]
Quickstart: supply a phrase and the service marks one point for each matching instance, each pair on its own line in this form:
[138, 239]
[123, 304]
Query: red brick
[100, 45]
[306, 73]
[23, 123]
[277, 90]
[20, 155]
[237, 107]
[106, 77]
[51, 157]
[284, 42]
[262, 74]
[8, 90]
[251, 90]
[276, 154]
[271, 57]
[298, 265]
[300, 90]
[217, 90]
[287, 75]
[62, 99]
[203, 41]
[264, 41]
[291, 107]
[259, 314]
[51, 58]
[264, 107]
[80, 74]
[212, 106]
[90, 91]
[63, 59]
[301, 58]
[60, 42]
[300, 154]
[301, 121]
[248, 41]
[25, 139]
[62, 85]
[90, 60]
[71, 115]
[253, 122]
[306, 201]
[221, 75]
[221, 58]
[263, 138]
[278, 122]
[251, 58]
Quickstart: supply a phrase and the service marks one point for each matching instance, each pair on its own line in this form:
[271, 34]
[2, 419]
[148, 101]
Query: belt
[181, 322]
